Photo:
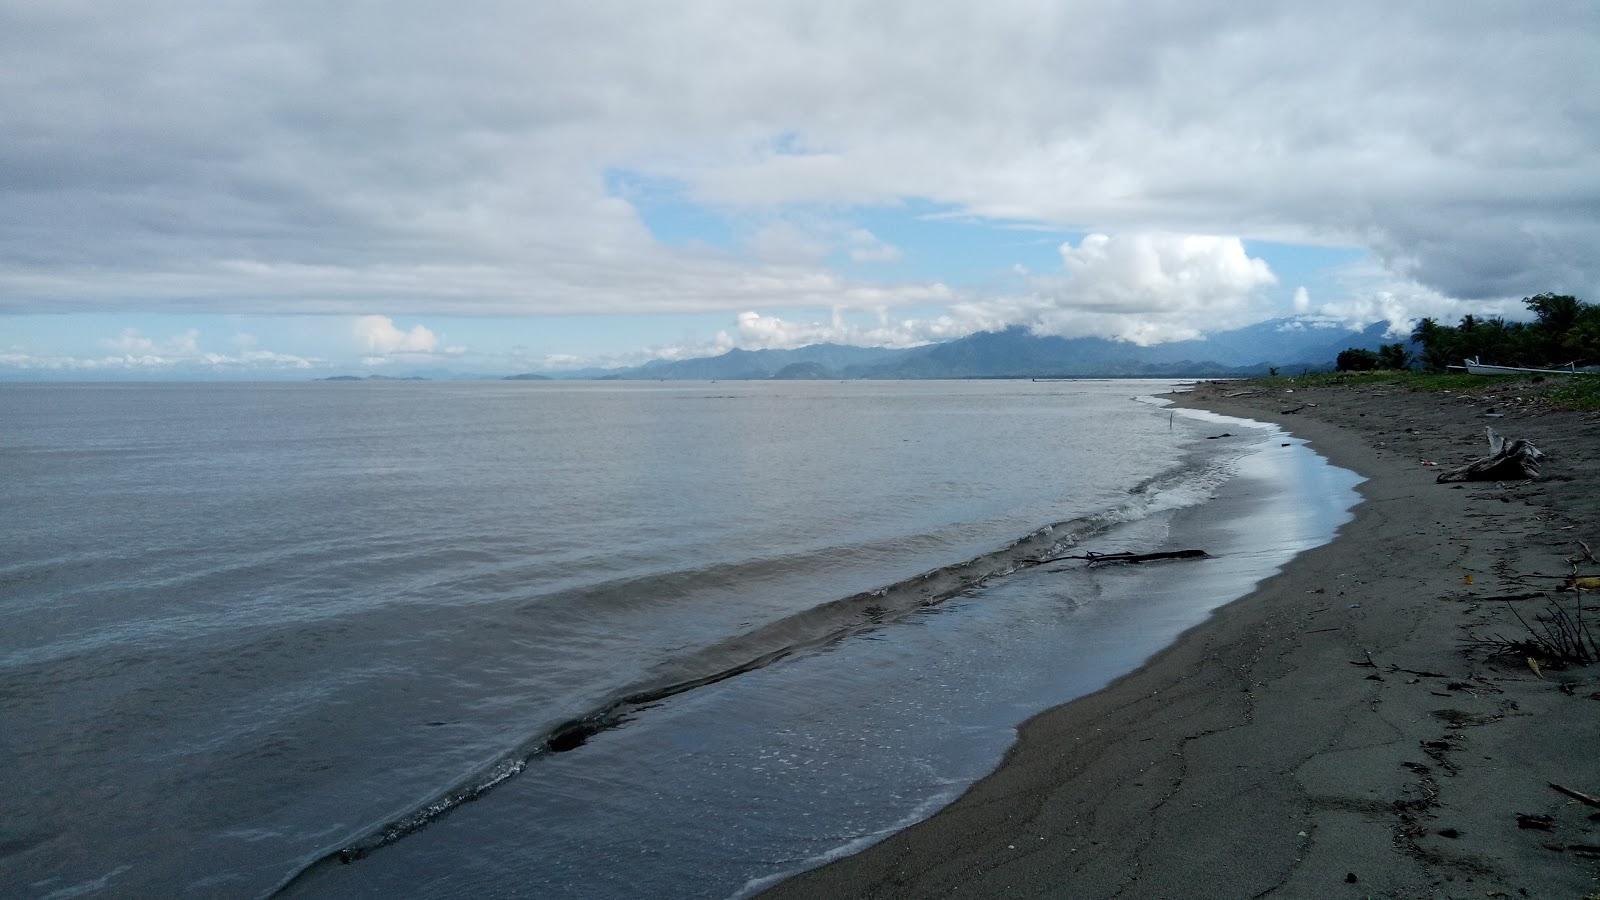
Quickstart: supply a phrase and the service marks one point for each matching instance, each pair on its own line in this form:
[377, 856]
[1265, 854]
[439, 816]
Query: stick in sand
[1576, 795]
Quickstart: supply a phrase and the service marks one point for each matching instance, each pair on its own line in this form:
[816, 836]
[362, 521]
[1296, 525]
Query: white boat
[1473, 367]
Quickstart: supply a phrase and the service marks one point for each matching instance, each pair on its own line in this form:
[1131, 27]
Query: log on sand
[1098, 558]
[1507, 461]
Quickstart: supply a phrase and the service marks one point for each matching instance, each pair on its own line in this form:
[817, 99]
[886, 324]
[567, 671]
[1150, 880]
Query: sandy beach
[1330, 734]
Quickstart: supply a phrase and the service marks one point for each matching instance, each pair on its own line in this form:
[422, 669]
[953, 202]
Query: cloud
[278, 158]
[866, 247]
[1163, 276]
[275, 168]
[379, 335]
[751, 330]
[812, 240]
[754, 331]
[1146, 288]
[132, 343]
[787, 242]
[554, 362]
[1373, 294]
[178, 353]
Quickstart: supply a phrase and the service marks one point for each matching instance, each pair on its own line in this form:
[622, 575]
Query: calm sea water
[672, 639]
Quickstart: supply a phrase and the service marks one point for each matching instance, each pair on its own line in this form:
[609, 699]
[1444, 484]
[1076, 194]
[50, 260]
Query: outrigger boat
[1473, 367]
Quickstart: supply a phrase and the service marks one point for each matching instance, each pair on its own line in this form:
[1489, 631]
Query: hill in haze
[1017, 353]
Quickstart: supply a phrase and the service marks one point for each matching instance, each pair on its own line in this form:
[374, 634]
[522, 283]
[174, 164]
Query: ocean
[590, 639]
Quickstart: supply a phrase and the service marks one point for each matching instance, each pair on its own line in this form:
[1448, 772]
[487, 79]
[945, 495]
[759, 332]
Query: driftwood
[1576, 795]
[1507, 460]
[1097, 558]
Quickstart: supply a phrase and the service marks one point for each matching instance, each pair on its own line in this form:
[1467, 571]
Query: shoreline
[1085, 648]
[1279, 499]
[1251, 756]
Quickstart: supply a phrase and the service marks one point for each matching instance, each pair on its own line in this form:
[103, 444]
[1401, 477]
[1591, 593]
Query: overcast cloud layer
[399, 159]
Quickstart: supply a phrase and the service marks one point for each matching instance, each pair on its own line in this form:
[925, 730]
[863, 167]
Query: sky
[284, 189]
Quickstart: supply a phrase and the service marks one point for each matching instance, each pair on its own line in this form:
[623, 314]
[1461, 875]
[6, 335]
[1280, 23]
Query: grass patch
[1457, 381]
[1417, 381]
[1579, 392]
[1576, 392]
[1326, 379]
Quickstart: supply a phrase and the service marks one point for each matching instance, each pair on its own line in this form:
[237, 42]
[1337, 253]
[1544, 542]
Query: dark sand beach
[1328, 735]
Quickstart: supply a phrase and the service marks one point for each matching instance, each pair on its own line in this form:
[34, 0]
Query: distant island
[527, 376]
[373, 378]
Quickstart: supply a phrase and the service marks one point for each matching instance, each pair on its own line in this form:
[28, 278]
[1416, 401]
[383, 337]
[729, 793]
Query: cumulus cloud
[1160, 286]
[380, 336]
[1146, 288]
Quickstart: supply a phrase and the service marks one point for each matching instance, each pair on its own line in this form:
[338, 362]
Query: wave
[808, 630]
[921, 811]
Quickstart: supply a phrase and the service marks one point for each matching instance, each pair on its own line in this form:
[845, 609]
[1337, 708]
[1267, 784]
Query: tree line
[1565, 329]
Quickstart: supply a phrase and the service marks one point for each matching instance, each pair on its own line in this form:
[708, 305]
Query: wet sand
[1263, 754]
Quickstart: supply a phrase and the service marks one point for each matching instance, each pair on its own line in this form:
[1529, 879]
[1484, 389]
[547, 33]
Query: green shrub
[1356, 360]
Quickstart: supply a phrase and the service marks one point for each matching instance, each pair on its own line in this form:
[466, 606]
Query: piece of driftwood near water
[1098, 558]
[1507, 460]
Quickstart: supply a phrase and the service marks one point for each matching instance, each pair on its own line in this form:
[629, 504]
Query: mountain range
[1292, 343]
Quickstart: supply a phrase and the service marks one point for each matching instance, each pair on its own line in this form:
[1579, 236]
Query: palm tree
[1436, 340]
[1556, 312]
